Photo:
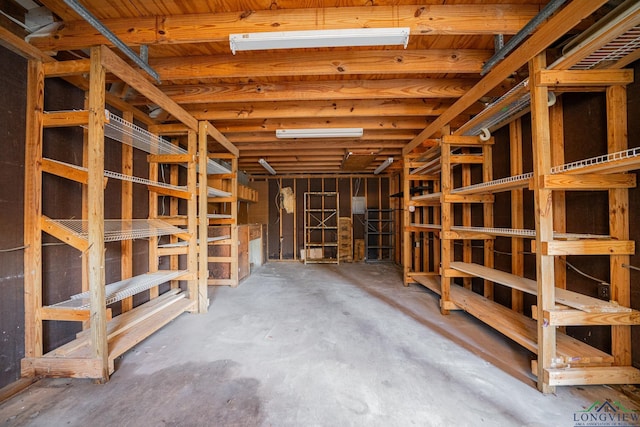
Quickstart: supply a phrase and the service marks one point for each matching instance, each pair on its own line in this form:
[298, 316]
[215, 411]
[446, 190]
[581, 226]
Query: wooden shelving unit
[379, 234]
[322, 239]
[561, 359]
[170, 228]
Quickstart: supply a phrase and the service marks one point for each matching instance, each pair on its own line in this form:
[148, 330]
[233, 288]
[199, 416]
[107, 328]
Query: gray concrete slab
[315, 345]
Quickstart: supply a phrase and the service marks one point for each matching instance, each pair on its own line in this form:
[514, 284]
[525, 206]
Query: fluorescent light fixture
[383, 166]
[319, 38]
[320, 133]
[267, 166]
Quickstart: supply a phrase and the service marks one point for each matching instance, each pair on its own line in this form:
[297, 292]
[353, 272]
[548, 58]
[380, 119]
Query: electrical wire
[19, 248]
[631, 267]
[582, 273]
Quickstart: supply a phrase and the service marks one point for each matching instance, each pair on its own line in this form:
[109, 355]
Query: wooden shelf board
[571, 299]
[523, 330]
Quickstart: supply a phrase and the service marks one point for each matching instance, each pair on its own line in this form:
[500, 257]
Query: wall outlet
[603, 292]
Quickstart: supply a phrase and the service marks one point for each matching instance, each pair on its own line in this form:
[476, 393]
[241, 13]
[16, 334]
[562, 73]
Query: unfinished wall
[286, 230]
[12, 108]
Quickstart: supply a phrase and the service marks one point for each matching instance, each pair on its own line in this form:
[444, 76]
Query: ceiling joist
[216, 27]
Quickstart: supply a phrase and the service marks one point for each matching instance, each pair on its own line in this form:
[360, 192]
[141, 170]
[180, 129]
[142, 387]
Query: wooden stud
[517, 214]
[192, 220]
[616, 97]
[487, 214]
[95, 199]
[544, 221]
[234, 224]
[467, 254]
[33, 210]
[406, 217]
[447, 221]
[126, 211]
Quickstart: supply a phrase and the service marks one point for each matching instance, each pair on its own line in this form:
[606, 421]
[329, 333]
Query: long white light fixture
[267, 166]
[383, 166]
[319, 38]
[320, 133]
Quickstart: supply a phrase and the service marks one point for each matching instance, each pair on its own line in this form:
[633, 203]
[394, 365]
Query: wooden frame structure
[561, 360]
[92, 353]
[321, 237]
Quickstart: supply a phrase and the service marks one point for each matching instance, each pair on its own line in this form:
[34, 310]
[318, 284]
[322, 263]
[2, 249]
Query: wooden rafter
[212, 27]
[317, 91]
[322, 63]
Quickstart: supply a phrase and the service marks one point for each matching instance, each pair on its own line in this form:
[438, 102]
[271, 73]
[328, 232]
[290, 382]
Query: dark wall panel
[12, 108]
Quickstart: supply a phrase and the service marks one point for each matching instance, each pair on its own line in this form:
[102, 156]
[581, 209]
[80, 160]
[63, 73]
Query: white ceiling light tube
[267, 166]
[383, 166]
[320, 133]
[319, 38]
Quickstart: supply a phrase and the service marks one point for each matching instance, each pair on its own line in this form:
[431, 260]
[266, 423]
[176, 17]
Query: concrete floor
[316, 345]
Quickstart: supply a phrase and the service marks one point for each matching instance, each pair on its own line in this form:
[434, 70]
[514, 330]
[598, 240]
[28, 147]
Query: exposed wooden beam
[317, 91]
[128, 75]
[296, 63]
[554, 28]
[318, 145]
[216, 27]
[342, 108]
[371, 135]
[316, 152]
[220, 138]
[371, 123]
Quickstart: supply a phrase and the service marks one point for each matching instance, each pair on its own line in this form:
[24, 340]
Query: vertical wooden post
[437, 219]
[192, 218]
[85, 207]
[619, 223]
[234, 223]
[556, 124]
[95, 198]
[295, 219]
[33, 211]
[174, 263]
[487, 215]
[467, 251]
[406, 221]
[153, 213]
[126, 211]
[517, 213]
[203, 220]
[447, 222]
[543, 218]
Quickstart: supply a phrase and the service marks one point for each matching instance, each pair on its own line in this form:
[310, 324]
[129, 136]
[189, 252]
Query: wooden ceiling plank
[371, 123]
[317, 109]
[317, 91]
[296, 63]
[215, 27]
[326, 145]
[371, 135]
[558, 25]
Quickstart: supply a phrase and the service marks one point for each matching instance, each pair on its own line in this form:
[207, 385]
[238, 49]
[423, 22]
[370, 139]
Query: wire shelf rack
[496, 182]
[128, 133]
[117, 230]
[118, 291]
[631, 153]
[613, 51]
